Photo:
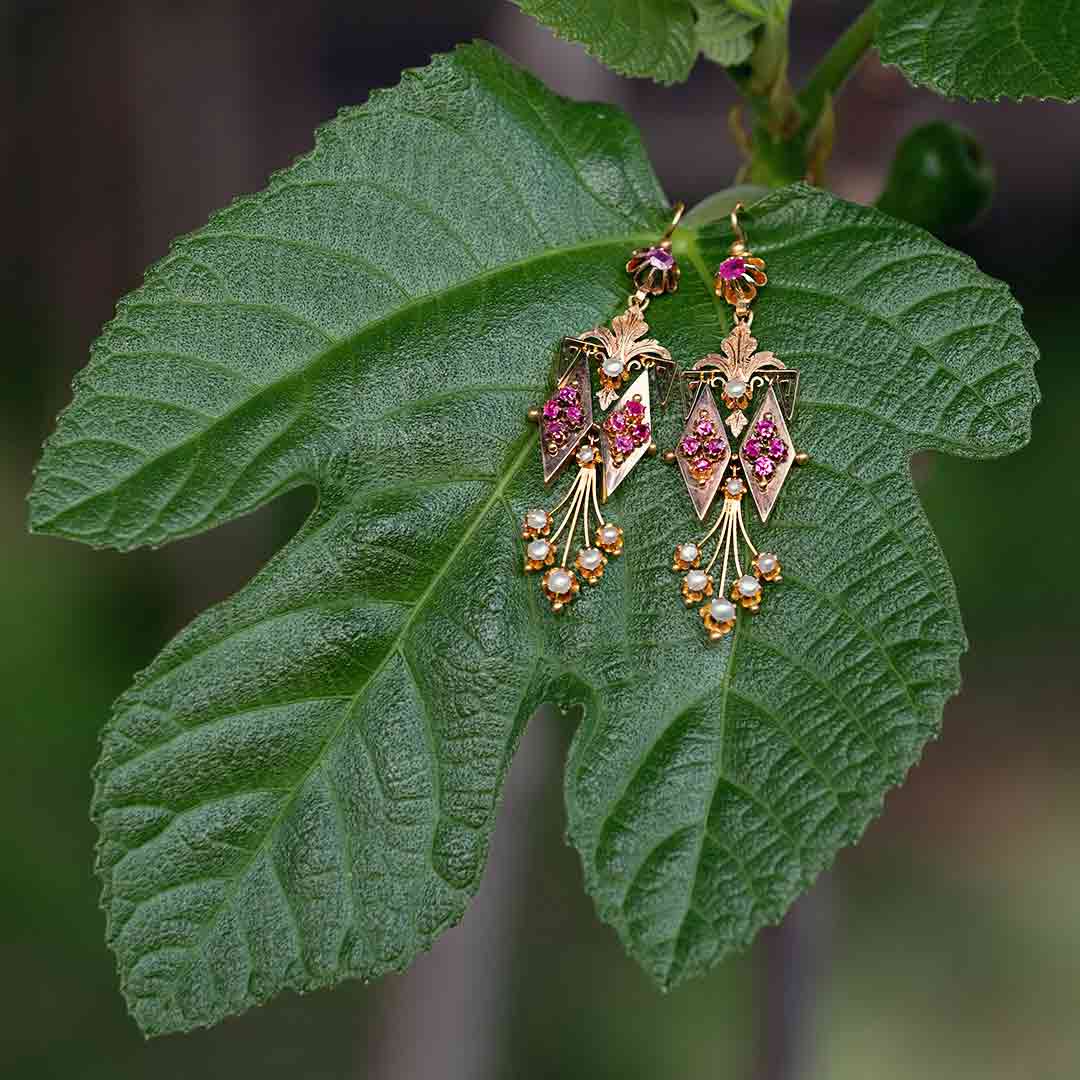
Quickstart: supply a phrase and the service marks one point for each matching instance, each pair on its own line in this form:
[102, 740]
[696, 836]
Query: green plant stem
[837, 64]
[784, 125]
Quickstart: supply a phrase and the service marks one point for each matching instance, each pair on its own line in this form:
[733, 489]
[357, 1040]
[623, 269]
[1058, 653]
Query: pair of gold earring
[711, 460]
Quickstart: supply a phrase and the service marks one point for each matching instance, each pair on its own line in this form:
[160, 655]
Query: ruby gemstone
[689, 446]
[732, 268]
[660, 258]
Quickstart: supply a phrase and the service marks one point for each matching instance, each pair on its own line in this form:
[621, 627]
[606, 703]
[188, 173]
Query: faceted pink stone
[661, 259]
[574, 415]
[635, 409]
[764, 429]
[556, 430]
[714, 447]
[752, 449]
[764, 468]
[702, 465]
[624, 444]
[551, 409]
[705, 428]
[778, 449]
[568, 394]
[732, 268]
[641, 433]
[616, 422]
[689, 446]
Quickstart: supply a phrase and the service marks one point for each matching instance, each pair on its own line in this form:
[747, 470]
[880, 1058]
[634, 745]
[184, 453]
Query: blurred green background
[946, 945]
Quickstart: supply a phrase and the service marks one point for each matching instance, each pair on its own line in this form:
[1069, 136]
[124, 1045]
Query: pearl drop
[734, 486]
[610, 534]
[613, 367]
[559, 582]
[585, 455]
[688, 552]
[590, 558]
[722, 610]
[536, 519]
[735, 388]
[538, 550]
[767, 562]
[696, 580]
[749, 586]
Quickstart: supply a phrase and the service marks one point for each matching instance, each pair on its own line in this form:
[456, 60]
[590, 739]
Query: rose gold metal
[555, 457]
[616, 471]
[703, 491]
[765, 494]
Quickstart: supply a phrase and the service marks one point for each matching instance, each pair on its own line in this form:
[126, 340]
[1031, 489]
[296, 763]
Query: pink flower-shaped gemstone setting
[732, 268]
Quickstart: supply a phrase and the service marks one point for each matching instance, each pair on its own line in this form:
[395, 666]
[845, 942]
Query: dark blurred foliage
[946, 945]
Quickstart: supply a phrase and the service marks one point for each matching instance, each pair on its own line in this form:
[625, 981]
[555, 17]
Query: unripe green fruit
[940, 179]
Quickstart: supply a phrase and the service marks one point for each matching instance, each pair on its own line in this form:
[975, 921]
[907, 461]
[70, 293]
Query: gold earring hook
[680, 209]
[740, 244]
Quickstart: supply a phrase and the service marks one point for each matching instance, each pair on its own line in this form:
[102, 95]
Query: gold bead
[534, 415]
[652, 450]
[802, 457]
[669, 456]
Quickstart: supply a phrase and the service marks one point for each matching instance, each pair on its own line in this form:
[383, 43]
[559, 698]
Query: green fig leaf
[301, 787]
[984, 49]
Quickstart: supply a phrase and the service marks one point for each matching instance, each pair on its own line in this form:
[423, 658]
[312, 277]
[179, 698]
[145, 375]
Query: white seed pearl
[767, 562]
[734, 486]
[559, 582]
[735, 388]
[590, 558]
[613, 367]
[538, 550]
[536, 519]
[586, 455]
[749, 586]
[688, 552]
[609, 534]
[722, 610]
[696, 580]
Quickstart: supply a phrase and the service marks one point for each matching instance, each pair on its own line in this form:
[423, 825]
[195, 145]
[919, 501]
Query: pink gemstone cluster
[627, 429]
[563, 416]
[703, 448]
[765, 450]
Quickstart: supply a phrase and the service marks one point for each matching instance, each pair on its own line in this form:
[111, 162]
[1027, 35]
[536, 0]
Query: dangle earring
[710, 463]
[604, 452]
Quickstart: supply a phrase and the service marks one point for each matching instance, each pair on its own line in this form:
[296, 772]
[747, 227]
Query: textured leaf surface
[724, 35]
[985, 48]
[660, 39]
[301, 787]
[645, 40]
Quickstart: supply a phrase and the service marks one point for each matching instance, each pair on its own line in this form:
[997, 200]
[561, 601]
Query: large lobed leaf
[302, 786]
[985, 48]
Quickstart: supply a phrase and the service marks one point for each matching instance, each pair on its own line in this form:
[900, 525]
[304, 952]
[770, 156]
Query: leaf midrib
[396, 647]
[51, 523]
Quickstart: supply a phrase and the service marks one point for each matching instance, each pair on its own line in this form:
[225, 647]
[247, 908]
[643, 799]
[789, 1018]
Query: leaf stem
[838, 63]
[790, 134]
